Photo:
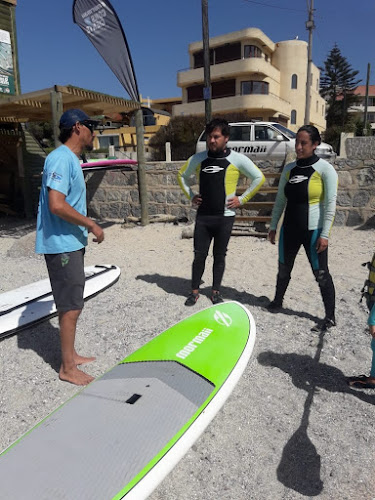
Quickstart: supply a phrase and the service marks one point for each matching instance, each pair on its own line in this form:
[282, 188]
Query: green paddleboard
[122, 434]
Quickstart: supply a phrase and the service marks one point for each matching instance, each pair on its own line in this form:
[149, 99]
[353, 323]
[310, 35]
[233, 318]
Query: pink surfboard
[96, 165]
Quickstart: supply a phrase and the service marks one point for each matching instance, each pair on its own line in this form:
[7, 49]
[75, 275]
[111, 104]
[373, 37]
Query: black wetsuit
[307, 190]
[218, 177]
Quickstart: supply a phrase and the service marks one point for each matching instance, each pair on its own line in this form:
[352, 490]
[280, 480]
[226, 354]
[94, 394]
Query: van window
[239, 133]
[264, 133]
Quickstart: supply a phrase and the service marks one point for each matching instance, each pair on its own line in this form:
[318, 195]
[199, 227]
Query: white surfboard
[122, 434]
[32, 303]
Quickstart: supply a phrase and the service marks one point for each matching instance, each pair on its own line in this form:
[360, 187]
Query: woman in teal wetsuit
[307, 190]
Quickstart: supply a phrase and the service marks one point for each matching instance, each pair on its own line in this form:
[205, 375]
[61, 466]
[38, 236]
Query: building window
[252, 51]
[222, 54]
[317, 84]
[199, 60]
[266, 57]
[195, 93]
[221, 88]
[254, 87]
[294, 81]
[293, 117]
[322, 109]
[228, 52]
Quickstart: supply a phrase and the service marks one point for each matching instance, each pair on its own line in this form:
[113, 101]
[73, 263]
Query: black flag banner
[100, 23]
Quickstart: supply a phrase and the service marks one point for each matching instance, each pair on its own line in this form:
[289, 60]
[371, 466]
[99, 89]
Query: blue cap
[72, 116]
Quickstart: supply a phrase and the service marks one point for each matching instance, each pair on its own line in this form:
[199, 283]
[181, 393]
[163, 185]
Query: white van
[264, 141]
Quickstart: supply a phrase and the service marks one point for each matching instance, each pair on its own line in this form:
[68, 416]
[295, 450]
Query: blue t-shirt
[62, 172]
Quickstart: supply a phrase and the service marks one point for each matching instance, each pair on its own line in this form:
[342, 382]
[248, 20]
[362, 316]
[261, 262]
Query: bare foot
[82, 360]
[75, 376]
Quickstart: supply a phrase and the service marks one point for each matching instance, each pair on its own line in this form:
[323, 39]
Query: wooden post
[142, 185]
[25, 186]
[168, 157]
[57, 111]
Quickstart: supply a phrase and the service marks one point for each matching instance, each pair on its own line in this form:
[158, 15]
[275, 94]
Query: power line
[273, 6]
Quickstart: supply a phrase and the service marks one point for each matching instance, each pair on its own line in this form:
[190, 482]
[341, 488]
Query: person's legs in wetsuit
[222, 230]
[289, 244]
[202, 239]
[208, 227]
[319, 265]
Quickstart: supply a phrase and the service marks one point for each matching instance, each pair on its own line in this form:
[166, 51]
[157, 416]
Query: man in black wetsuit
[218, 171]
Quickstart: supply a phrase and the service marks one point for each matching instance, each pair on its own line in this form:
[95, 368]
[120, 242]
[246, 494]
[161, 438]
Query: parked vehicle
[264, 141]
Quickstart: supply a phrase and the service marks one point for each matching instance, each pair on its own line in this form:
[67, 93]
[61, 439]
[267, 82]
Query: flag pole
[100, 23]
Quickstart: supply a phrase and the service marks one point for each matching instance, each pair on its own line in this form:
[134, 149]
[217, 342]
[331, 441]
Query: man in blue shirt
[62, 229]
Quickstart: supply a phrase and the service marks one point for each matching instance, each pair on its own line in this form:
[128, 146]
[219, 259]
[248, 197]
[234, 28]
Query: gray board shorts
[67, 277]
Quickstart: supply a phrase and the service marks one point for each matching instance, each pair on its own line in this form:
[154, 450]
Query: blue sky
[52, 50]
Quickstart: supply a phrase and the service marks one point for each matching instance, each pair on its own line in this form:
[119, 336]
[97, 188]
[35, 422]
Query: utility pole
[206, 62]
[366, 100]
[310, 27]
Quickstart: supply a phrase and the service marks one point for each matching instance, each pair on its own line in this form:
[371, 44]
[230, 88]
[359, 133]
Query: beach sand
[291, 429]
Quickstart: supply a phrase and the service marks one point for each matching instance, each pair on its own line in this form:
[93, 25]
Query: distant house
[119, 131]
[251, 73]
[359, 109]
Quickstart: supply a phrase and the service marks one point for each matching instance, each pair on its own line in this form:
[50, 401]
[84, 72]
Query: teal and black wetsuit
[218, 176]
[307, 190]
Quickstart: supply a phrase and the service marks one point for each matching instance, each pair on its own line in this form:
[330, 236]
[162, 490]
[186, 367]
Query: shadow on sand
[299, 467]
[181, 286]
[44, 339]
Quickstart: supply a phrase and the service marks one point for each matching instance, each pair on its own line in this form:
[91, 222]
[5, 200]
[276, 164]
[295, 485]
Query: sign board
[6, 64]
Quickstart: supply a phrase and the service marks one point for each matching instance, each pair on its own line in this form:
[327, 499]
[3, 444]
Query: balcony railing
[255, 102]
[229, 69]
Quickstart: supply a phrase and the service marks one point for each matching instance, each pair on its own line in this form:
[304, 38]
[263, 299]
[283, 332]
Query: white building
[249, 72]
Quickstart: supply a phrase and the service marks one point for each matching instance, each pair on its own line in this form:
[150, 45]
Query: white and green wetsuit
[218, 176]
[307, 190]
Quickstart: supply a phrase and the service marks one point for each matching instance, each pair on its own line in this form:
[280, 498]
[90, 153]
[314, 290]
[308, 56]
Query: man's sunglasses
[89, 125]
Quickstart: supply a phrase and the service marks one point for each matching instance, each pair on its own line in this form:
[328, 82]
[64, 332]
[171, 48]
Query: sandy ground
[291, 429]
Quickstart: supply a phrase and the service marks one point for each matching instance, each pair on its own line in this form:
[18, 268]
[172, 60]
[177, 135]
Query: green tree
[182, 132]
[337, 85]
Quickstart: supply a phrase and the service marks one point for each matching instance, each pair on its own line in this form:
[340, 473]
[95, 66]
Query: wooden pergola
[49, 104]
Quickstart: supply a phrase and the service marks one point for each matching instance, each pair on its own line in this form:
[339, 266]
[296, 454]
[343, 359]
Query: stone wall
[360, 148]
[356, 192]
[114, 195]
